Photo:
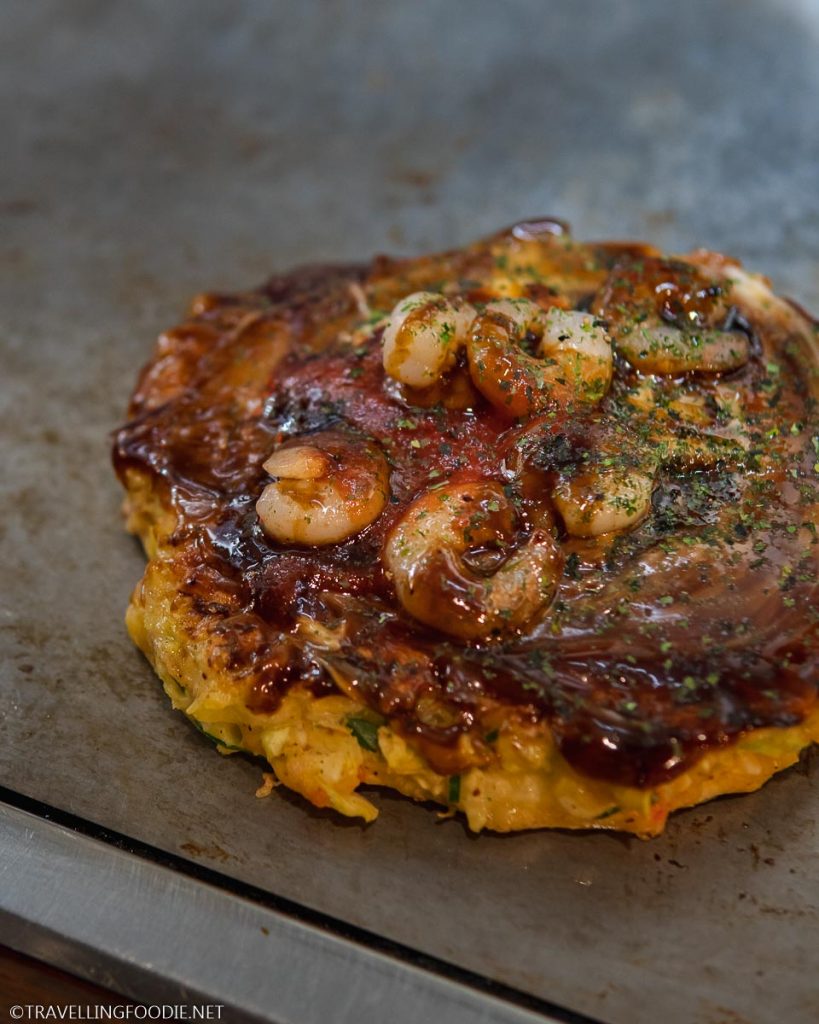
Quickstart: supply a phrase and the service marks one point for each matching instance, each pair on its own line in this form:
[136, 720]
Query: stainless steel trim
[158, 936]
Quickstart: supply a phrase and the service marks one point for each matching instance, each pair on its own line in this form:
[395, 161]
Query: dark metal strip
[156, 934]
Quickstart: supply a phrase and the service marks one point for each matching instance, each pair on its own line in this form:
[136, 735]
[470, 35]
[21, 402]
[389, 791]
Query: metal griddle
[152, 150]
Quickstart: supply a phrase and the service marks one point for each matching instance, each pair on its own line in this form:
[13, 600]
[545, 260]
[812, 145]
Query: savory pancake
[527, 529]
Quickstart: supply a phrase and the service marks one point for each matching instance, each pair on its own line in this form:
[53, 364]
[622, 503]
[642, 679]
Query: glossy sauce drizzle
[661, 642]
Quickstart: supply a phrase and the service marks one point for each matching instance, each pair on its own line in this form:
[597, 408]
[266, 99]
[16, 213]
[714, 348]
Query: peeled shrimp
[422, 338]
[573, 364]
[434, 555]
[328, 486]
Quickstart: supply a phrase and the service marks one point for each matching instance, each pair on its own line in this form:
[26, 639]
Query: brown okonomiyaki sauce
[661, 642]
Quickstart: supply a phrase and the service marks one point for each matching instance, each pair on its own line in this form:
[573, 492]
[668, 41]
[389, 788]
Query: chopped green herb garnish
[215, 739]
[608, 812]
[365, 731]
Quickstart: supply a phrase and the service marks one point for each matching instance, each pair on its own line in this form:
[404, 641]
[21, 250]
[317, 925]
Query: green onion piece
[365, 731]
[608, 812]
[454, 788]
[212, 738]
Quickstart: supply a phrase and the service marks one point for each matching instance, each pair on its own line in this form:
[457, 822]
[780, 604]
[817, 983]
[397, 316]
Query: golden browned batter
[527, 529]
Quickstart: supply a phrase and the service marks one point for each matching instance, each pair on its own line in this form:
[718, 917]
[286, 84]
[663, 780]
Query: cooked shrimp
[772, 321]
[750, 292]
[573, 365]
[454, 568]
[598, 472]
[328, 486]
[601, 473]
[660, 348]
[422, 338]
[665, 317]
[673, 411]
[615, 492]
[605, 501]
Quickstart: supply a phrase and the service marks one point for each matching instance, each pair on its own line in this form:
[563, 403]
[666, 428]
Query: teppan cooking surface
[155, 150]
